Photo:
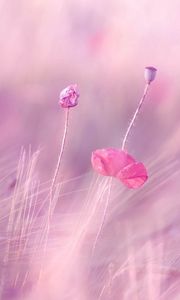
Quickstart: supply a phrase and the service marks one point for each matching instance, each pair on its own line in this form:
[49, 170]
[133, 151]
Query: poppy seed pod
[69, 96]
[149, 74]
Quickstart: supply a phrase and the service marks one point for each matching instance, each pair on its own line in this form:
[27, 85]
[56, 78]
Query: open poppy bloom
[119, 164]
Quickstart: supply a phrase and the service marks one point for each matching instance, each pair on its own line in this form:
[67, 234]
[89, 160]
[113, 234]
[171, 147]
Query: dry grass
[131, 252]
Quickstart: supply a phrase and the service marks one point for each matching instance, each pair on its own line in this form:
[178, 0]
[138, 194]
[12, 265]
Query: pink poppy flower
[119, 164]
[69, 96]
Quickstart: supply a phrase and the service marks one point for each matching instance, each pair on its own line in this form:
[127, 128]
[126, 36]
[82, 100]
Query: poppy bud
[149, 74]
[69, 96]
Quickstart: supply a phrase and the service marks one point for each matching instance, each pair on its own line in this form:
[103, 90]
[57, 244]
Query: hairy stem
[135, 116]
[60, 153]
[45, 234]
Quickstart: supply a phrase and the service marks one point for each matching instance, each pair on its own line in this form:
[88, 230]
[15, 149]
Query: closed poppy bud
[69, 96]
[149, 74]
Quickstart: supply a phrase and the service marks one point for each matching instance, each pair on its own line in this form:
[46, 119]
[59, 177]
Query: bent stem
[60, 153]
[49, 214]
[135, 115]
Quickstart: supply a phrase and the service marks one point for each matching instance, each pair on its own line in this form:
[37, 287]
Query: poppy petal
[110, 161]
[133, 175]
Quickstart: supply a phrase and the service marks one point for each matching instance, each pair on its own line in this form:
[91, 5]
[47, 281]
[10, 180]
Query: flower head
[149, 74]
[119, 164]
[69, 96]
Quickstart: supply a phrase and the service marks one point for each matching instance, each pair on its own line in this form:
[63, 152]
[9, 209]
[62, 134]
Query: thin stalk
[135, 116]
[45, 234]
[60, 153]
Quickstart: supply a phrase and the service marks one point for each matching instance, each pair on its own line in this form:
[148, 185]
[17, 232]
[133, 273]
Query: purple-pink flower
[119, 164]
[69, 96]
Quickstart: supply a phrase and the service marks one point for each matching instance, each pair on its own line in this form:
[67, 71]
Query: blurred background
[102, 46]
